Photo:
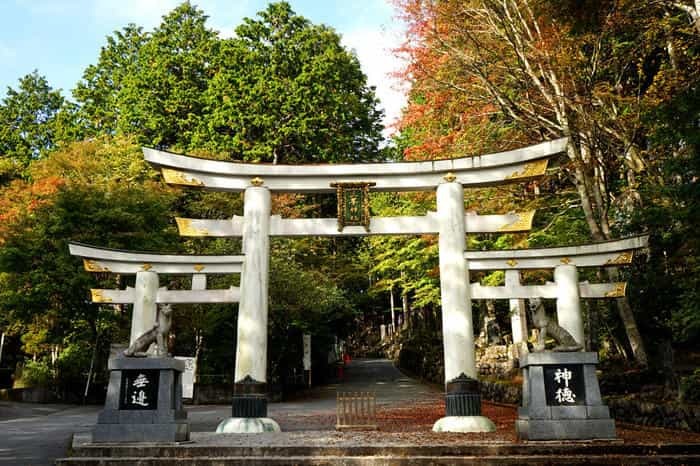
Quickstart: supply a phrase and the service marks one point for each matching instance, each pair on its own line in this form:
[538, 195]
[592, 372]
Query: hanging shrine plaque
[353, 204]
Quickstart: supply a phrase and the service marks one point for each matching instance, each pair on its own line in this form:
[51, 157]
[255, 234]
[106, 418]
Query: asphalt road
[37, 434]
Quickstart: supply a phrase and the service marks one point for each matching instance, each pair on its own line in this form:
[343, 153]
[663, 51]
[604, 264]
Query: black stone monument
[144, 402]
[561, 398]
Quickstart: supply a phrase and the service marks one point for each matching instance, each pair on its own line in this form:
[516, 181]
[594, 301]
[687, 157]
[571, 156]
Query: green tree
[98, 92]
[286, 91]
[27, 124]
[150, 85]
[301, 301]
[98, 192]
[162, 95]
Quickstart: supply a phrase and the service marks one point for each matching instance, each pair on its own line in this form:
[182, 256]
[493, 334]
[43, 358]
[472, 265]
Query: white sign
[307, 352]
[188, 376]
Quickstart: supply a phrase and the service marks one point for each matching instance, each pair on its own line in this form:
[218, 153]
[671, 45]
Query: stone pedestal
[463, 408]
[144, 402]
[561, 399]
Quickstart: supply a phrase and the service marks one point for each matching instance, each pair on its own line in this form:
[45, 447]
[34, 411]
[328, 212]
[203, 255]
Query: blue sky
[61, 37]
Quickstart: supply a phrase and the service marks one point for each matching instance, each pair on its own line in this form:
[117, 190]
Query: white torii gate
[146, 293]
[566, 288]
[447, 177]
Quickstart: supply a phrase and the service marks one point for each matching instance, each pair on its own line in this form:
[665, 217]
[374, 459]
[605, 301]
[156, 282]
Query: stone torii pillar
[145, 307]
[249, 406]
[518, 319]
[569, 312]
[463, 400]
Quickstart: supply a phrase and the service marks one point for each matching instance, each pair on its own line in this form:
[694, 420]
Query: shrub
[35, 374]
[690, 388]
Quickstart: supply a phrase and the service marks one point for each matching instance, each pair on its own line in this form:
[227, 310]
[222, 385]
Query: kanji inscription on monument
[564, 385]
[139, 389]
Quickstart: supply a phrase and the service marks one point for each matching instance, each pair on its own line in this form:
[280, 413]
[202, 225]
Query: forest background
[619, 78]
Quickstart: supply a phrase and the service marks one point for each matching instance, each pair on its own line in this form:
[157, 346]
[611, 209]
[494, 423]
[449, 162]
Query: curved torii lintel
[130, 262]
[602, 254]
[479, 171]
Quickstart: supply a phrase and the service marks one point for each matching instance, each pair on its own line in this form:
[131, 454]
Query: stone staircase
[217, 450]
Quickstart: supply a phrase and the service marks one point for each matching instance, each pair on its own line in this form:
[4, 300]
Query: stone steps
[206, 451]
[540, 460]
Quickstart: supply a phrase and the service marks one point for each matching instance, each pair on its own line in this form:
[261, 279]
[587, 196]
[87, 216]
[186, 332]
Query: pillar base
[247, 425]
[463, 408]
[464, 424]
[249, 399]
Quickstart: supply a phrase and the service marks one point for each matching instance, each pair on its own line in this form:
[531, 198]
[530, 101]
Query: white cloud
[225, 16]
[374, 50]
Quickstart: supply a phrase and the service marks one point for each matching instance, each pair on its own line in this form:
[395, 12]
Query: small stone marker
[561, 398]
[188, 375]
[307, 358]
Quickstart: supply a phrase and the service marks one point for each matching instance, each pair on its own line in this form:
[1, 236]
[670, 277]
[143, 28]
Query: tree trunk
[198, 345]
[596, 218]
[630, 323]
[92, 367]
[582, 187]
[406, 310]
[393, 315]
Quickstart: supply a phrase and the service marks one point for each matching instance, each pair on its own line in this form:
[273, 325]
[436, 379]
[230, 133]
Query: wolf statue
[565, 342]
[158, 335]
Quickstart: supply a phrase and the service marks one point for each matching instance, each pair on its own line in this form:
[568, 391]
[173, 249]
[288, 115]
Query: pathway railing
[356, 410]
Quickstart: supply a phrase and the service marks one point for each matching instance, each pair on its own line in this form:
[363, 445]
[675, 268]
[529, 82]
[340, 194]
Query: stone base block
[561, 399]
[247, 425]
[144, 402]
[464, 424]
[565, 429]
[115, 416]
[114, 433]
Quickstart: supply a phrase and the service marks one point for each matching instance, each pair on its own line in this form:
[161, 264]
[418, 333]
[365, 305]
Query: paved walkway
[36, 434]
[315, 409]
